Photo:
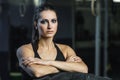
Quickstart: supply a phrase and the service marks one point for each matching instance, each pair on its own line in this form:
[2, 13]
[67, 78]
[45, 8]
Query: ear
[35, 23]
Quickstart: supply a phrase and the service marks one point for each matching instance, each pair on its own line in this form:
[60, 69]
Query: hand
[74, 59]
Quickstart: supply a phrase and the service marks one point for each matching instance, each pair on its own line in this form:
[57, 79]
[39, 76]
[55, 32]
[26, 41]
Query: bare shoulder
[63, 46]
[24, 50]
[24, 47]
[66, 50]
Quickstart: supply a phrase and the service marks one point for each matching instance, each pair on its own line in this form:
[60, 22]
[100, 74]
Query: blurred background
[90, 27]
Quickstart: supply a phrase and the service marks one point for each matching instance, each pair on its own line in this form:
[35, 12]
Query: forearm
[70, 66]
[40, 70]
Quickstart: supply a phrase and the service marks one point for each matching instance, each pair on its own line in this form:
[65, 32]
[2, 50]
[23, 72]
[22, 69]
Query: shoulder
[24, 49]
[63, 46]
[66, 49]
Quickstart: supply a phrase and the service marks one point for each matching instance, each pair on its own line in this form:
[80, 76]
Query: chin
[49, 36]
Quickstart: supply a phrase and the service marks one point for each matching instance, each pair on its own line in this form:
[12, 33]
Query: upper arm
[71, 55]
[70, 51]
[66, 50]
[23, 52]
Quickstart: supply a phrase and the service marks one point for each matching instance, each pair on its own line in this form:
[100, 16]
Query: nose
[49, 25]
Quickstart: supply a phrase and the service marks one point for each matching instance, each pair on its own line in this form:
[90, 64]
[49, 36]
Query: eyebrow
[47, 19]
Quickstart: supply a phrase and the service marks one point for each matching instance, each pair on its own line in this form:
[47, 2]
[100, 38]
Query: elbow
[37, 74]
[85, 69]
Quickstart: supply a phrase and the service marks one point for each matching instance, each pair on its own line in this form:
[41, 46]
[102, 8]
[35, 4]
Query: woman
[43, 57]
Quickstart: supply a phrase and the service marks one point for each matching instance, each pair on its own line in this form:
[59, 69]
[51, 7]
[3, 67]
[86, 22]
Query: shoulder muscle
[67, 50]
[24, 51]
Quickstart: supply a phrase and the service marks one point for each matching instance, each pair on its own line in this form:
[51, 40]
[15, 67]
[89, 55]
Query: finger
[27, 63]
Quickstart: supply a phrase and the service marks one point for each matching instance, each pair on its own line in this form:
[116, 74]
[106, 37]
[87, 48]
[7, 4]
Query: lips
[49, 31]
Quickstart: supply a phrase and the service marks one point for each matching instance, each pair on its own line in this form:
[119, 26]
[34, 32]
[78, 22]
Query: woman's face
[47, 24]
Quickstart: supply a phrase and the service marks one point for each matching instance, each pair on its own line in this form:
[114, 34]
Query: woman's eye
[53, 20]
[43, 21]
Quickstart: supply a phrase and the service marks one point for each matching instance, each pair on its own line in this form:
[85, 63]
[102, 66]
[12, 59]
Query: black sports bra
[59, 56]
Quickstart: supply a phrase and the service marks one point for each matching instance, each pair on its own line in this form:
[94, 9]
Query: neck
[46, 43]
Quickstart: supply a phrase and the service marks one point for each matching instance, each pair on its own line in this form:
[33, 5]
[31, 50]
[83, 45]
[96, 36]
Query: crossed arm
[37, 67]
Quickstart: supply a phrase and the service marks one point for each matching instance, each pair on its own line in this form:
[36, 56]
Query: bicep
[23, 53]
